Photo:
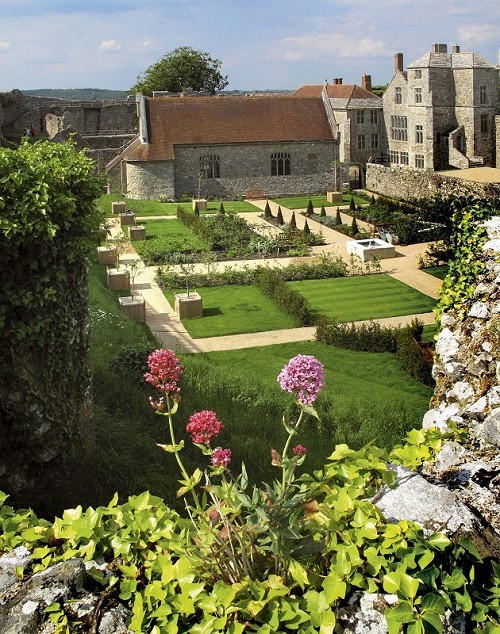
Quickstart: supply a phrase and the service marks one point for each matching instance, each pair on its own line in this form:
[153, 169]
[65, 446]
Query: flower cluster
[303, 376]
[221, 457]
[202, 426]
[299, 450]
[164, 371]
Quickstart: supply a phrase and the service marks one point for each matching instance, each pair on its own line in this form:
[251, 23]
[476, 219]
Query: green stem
[287, 445]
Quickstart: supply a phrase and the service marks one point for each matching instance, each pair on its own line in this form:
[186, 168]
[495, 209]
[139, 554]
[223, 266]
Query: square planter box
[202, 204]
[127, 219]
[187, 306]
[137, 232]
[334, 197]
[134, 307]
[118, 280]
[118, 208]
[107, 255]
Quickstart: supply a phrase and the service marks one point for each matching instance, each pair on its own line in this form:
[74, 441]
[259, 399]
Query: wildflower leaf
[172, 448]
[309, 409]
[298, 573]
[275, 458]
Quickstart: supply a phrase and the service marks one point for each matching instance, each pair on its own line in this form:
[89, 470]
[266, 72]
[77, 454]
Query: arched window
[280, 164]
[210, 166]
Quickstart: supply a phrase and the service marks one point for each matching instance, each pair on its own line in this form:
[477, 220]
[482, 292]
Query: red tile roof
[335, 91]
[222, 120]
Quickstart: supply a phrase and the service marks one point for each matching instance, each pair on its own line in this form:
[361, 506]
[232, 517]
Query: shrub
[338, 217]
[221, 209]
[370, 337]
[267, 210]
[274, 286]
[310, 208]
[306, 229]
[354, 227]
[279, 217]
[410, 355]
[292, 225]
[352, 205]
[322, 213]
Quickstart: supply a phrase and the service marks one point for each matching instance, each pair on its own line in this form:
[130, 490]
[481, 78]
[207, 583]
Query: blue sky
[262, 44]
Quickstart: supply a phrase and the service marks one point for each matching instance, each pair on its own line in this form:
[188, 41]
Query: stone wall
[405, 183]
[148, 180]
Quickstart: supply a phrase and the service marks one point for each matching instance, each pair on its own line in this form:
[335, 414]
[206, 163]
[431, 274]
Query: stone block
[118, 208]
[118, 280]
[334, 197]
[137, 232]
[127, 219]
[134, 307]
[188, 306]
[107, 255]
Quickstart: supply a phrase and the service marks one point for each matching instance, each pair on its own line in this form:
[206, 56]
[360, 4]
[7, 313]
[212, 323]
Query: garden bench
[255, 193]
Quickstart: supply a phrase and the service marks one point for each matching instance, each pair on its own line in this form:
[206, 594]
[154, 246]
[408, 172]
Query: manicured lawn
[164, 236]
[300, 202]
[438, 271]
[363, 297]
[156, 208]
[231, 310]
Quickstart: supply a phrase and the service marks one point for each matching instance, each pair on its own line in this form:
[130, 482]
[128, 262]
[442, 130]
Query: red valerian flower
[221, 457]
[202, 426]
[299, 450]
[164, 371]
[303, 376]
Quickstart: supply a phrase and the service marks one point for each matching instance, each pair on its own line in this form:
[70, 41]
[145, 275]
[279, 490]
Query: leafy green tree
[182, 68]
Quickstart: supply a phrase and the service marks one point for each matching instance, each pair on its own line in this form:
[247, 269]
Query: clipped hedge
[272, 283]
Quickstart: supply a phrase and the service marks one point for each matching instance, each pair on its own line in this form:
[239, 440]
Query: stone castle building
[442, 112]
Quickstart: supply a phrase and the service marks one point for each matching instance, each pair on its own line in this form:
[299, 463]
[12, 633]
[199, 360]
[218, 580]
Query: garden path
[166, 326]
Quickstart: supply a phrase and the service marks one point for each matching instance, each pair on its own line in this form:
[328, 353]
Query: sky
[262, 44]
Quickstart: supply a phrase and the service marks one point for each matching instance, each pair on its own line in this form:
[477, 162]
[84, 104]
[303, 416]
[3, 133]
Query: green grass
[167, 236]
[300, 202]
[232, 310]
[438, 271]
[363, 297]
[156, 208]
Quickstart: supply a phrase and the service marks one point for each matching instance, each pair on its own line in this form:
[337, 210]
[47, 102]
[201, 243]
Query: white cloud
[4, 46]
[326, 46]
[110, 45]
[477, 32]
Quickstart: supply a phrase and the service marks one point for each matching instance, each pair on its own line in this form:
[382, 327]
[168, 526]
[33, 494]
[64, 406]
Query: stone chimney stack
[439, 48]
[366, 82]
[455, 49]
[398, 62]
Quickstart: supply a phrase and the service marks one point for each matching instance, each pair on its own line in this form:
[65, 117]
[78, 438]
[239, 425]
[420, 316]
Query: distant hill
[78, 94]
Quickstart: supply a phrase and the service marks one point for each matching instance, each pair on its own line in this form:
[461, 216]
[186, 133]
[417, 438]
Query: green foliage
[467, 262]
[267, 210]
[338, 218]
[221, 209]
[292, 225]
[354, 227]
[279, 217]
[272, 284]
[310, 208]
[306, 229]
[410, 355]
[182, 68]
[322, 213]
[352, 205]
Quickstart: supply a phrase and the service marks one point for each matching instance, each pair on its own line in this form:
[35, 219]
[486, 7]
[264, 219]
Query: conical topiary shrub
[267, 210]
[352, 204]
[293, 223]
[354, 227]
[307, 231]
[279, 217]
[196, 209]
[338, 217]
[372, 200]
[222, 211]
[322, 213]
[310, 208]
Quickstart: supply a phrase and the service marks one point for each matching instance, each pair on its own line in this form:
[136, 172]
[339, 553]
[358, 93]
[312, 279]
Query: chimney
[455, 49]
[339, 80]
[440, 48]
[398, 62]
[366, 82]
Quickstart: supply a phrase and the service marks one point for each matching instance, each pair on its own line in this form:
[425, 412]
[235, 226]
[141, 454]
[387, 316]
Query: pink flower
[221, 457]
[202, 426]
[164, 371]
[299, 450]
[303, 376]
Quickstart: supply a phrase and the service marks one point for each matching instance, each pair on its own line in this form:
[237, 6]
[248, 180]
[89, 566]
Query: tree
[180, 69]
[293, 223]
[323, 211]
[310, 208]
[279, 217]
[267, 211]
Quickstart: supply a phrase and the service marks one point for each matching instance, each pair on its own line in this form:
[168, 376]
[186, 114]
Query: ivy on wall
[48, 223]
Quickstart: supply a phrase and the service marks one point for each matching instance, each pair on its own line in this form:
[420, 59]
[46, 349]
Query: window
[360, 116]
[419, 160]
[418, 74]
[404, 158]
[373, 116]
[483, 97]
[419, 134]
[361, 142]
[374, 141]
[484, 123]
[393, 157]
[398, 95]
[399, 130]
[280, 164]
[210, 166]
[418, 95]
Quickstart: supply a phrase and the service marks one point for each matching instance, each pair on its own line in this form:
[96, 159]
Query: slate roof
[451, 60]
[223, 120]
[342, 96]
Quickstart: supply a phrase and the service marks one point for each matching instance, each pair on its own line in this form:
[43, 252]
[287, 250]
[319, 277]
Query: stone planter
[187, 306]
[118, 208]
[334, 197]
[107, 255]
[202, 204]
[118, 280]
[137, 232]
[134, 307]
[127, 218]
